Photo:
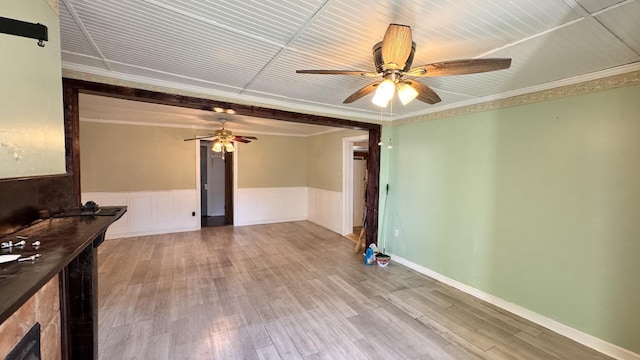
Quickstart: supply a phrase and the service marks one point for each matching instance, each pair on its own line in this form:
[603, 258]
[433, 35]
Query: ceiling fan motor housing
[379, 61]
[224, 134]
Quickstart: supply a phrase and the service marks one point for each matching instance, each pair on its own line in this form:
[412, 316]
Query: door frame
[203, 199]
[347, 181]
[234, 183]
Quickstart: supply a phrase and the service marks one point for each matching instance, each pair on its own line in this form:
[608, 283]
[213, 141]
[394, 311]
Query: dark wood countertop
[62, 239]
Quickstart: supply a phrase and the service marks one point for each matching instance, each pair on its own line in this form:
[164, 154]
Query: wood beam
[156, 97]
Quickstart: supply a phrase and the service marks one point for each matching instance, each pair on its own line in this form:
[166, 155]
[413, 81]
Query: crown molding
[87, 73]
[627, 75]
[595, 82]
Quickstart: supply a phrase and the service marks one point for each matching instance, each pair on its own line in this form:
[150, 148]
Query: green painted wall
[536, 204]
[325, 159]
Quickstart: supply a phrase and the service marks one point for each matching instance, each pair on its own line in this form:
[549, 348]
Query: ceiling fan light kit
[384, 93]
[223, 139]
[406, 93]
[393, 57]
[222, 145]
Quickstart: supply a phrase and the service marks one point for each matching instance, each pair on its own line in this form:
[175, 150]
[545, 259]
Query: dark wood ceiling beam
[156, 97]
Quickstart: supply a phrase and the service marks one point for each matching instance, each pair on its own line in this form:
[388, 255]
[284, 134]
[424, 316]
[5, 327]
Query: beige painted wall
[325, 159]
[273, 161]
[32, 132]
[120, 157]
[116, 157]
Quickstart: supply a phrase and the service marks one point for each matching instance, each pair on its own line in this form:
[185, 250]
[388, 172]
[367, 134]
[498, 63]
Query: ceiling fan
[393, 57]
[223, 139]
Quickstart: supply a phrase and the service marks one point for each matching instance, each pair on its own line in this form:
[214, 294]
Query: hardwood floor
[293, 291]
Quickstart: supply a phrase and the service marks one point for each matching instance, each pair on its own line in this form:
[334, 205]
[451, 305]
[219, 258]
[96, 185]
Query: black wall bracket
[24, 29]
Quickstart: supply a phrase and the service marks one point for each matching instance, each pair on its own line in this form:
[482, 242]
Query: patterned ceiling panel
[248, 50]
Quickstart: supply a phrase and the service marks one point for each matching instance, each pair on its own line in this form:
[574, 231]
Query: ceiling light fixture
[222, 146]
[406, 93]
[223, 139]
[384, 93]
[387, 88]
[223, 142]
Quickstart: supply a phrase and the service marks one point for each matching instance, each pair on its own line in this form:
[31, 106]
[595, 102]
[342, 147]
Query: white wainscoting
[161, 212]
[270, 205]
[150, 212]
[324, 208]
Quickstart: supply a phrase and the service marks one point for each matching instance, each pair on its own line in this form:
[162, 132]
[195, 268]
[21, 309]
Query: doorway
[360, 157]
[216, 200]
[355, 151]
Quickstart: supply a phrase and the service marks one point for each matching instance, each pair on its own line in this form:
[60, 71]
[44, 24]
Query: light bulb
[406, 93]
[386, 89]
[229, 147]
[379, 100]
[384, 93]
[217, 146]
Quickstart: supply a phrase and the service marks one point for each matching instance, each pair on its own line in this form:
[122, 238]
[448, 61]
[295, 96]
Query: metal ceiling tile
[251, 49]
[624, 22]
[580, 48]
[173, 43]
[70, 59]
[71, 37]
[269, 21]
[593, 6]
[169, 79]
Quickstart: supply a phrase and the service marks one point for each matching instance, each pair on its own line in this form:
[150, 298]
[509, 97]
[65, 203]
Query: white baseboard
[324, 208]
[574, 334]
[150, 212]
[270, 205]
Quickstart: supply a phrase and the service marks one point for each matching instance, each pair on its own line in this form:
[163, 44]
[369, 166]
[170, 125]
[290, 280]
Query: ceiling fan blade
[396, 46]
[460, 67]
[242, 138]
[362, 92]
[210, 136]
[338, 72]
[425, 94]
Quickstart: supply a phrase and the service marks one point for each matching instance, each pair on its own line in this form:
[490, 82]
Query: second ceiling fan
[223, 139]
[392, 58]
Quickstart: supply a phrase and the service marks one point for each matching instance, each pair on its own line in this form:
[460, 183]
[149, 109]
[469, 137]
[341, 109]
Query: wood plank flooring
[293, 291]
